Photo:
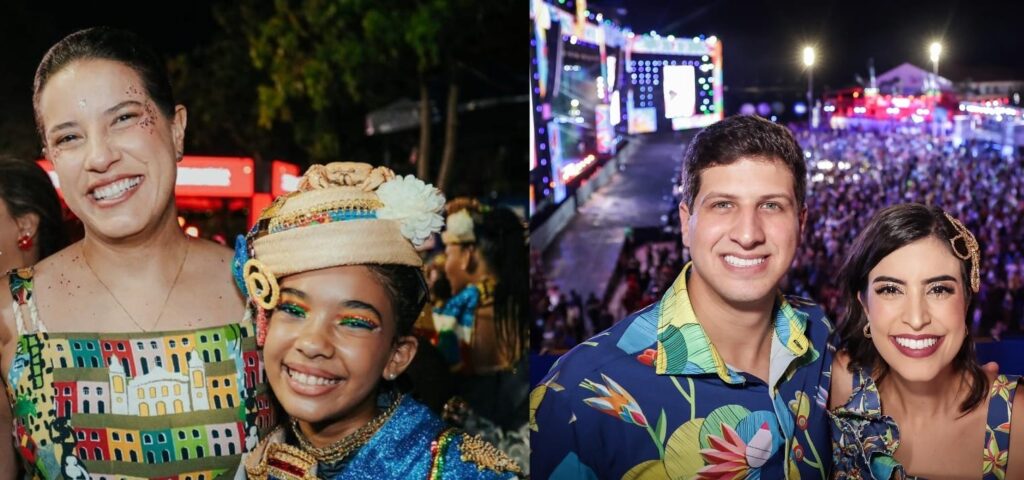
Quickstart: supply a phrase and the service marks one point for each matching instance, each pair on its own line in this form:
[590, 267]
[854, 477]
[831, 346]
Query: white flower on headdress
[459, 228]
[415, 204]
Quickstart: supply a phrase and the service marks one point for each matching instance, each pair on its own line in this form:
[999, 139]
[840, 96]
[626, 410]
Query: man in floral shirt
[724, 377]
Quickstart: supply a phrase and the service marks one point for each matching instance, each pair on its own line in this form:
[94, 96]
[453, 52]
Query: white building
[158, 392]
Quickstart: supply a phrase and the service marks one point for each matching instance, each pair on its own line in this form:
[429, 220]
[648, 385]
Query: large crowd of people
[853, 173]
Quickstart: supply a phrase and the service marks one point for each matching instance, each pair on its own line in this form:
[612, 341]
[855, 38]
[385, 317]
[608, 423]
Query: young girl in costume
[335, 279]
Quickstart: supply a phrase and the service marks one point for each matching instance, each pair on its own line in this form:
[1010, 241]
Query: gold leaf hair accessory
[969, 251]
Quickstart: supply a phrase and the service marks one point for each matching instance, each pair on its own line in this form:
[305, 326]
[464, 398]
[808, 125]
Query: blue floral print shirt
[652, 398]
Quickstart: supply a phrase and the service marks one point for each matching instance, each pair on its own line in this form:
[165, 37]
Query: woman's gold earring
[867, 330]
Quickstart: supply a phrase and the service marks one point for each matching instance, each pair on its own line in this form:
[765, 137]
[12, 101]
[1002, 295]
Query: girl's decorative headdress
[343, 213]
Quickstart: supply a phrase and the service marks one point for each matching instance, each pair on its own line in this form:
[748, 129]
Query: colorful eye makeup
[357, 321]
[294, 309]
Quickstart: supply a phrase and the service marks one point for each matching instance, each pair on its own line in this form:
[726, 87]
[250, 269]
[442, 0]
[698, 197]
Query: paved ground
[583, 256]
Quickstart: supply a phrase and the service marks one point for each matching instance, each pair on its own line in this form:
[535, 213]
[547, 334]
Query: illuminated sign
[555, 144]
[612, 74]
[214, 177]
[227, 177]
[696, 121]
[46, 165]
[989, 110]
[680, 91]
[284, 178]
[260, 201]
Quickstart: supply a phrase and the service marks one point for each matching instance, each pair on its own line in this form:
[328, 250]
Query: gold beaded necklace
[341, 449]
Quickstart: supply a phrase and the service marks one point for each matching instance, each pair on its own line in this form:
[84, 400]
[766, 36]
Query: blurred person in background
[31, 218]
[483, 329]
[31, 227]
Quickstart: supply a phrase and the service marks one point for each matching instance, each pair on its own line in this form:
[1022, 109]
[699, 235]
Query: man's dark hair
[742, 136]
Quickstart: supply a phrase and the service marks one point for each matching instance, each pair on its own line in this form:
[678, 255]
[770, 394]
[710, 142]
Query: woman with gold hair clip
[334, 277]
[908, 396]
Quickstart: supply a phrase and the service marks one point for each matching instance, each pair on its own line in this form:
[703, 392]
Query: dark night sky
[27, 29]
[763, 40]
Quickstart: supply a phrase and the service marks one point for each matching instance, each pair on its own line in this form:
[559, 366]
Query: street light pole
[934, 51]
[809, 63]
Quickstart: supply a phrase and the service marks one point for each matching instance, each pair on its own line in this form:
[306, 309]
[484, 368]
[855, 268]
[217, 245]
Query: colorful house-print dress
[172, 405]
[864, 440]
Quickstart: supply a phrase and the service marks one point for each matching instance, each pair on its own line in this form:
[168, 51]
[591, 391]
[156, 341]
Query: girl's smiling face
[331, 339]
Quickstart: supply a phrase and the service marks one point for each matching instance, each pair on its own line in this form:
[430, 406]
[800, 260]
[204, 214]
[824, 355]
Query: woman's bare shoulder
[59, 261]
[211, 260]
[209, 274]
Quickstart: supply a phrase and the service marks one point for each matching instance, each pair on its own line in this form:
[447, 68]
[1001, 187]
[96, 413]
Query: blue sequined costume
[413, 444]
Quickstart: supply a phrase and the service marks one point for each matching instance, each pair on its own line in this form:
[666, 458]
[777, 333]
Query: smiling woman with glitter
[334, 278]
[128, 353]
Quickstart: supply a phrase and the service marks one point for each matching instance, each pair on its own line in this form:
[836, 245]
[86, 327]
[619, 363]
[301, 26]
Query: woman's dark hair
[105, 43]
[889, 230]
[26, 188]
[501, 239]
[407, 290]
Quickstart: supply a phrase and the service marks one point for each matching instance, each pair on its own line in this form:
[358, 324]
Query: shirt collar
[685, 349]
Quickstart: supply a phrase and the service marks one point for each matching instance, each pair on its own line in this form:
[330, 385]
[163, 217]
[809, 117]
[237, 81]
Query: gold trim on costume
[478, 451]
[348, 445]
[299, 465]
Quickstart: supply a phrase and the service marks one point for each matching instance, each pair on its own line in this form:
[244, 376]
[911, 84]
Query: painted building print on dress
[135, 397]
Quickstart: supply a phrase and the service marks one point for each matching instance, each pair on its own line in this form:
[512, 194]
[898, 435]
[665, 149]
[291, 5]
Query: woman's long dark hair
[889, 230]
[501, 238]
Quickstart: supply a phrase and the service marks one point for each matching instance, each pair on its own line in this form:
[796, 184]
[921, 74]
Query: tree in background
[295, 80]
[329, 56]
